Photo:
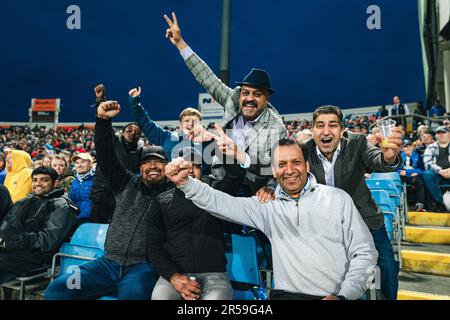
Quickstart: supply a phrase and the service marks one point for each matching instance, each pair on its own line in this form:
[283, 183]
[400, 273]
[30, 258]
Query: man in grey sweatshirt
[322, 249]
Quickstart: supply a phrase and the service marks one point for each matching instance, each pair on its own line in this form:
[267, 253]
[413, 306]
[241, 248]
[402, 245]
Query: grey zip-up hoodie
[321, 245]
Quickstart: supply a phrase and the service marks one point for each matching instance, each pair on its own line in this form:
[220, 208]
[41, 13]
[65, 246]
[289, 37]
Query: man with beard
[129, 154]
[322, 247]
[249, 120]
[339, 158]
[124, 268]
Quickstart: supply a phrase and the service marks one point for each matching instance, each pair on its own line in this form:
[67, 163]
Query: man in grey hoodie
[322, 249]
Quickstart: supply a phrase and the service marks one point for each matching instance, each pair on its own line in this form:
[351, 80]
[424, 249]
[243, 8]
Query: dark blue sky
[317, 52]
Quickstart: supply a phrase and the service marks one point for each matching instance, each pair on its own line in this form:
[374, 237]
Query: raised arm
[201, 71]
[154, 133]
[114, 171]
[387, 158]
[248, 211]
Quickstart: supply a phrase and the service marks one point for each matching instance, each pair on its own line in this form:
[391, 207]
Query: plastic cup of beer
[386, 127]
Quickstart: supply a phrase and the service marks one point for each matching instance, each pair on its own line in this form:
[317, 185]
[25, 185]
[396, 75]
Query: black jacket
[355, 156]
[183, 238]
[129, 155]
[5, 201]
[37, 226]
[127, 233]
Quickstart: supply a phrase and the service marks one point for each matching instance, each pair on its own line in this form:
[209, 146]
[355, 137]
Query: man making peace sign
[250, 120]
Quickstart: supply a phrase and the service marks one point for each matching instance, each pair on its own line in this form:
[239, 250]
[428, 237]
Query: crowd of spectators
[145, 182]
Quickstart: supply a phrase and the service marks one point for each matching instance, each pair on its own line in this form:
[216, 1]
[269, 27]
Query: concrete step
[429, 219]
[415, 286]
[426, 262]
[429, 247]
[436, 235]
[414, 295]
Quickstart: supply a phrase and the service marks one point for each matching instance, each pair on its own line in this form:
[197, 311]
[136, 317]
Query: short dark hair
[45, 170]
[290, 142]
[2, 157]
[328, 109]
[130, 124]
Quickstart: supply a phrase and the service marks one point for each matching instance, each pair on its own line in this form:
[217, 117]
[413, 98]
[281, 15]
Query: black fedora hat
[257, 78]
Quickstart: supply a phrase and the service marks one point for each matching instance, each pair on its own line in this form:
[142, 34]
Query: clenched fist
[177, 171]
[108, 109]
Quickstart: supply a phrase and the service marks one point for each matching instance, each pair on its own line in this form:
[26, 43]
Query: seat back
[242, 261]
[91, 235]
[383, 201]
[395, 179]
[87, 242]
[387, 185]
[393, 176]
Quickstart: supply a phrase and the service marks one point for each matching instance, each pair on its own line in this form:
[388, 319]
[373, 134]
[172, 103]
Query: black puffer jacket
[37, 226]
[183, 238]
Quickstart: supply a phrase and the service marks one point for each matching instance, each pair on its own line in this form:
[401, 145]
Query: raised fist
[177, 171]
[108, 109]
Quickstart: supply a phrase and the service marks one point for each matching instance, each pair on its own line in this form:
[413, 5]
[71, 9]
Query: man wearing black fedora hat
[250, 120]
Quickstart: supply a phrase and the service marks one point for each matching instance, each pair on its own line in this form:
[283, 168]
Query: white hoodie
[320, 245]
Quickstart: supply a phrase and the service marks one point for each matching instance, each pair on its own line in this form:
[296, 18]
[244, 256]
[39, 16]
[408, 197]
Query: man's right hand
[108, 110]
[177, 171]
[187, 288]
[173, 33]
[100, 92]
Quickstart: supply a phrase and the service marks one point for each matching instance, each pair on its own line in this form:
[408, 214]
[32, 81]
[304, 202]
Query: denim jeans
[213, 286]
[389, 267]
[104, 277]
[432, 181]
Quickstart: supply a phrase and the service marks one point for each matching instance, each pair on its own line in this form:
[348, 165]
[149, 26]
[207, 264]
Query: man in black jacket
[129, 154]
[339, 159]
[185, 245]
[35, 227]
[124, 268]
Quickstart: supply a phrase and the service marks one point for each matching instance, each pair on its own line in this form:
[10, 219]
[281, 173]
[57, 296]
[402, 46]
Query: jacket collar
[55, 193]
[310, 185]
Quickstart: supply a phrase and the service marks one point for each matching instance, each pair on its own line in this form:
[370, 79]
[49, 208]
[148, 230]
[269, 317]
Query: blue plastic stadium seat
[383, 201]
[88, 241]
[387, 185]
[243, 265]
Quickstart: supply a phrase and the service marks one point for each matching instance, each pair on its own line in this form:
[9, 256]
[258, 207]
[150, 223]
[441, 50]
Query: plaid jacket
[430, 157]
[268, 129]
